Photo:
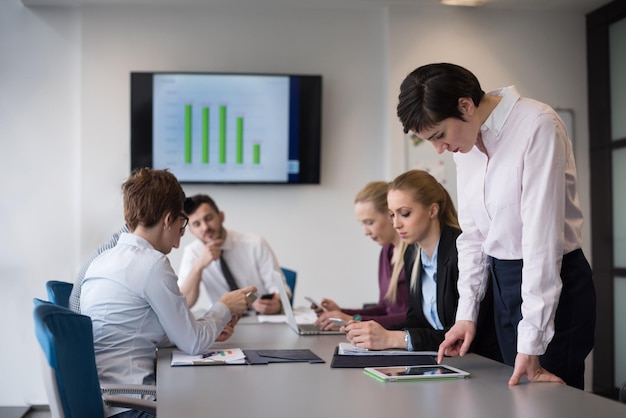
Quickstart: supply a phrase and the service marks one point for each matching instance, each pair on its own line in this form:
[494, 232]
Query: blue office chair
[72, 383]
[59, 292]
[290, 278]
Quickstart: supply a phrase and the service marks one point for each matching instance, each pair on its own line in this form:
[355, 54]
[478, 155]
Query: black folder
[281, 356]
[356, 361]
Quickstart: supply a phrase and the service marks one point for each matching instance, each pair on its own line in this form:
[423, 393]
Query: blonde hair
[376, 192]
[426, 190]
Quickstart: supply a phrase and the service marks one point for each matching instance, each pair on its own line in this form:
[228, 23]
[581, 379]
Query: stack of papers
[211, 357]
[347, 349]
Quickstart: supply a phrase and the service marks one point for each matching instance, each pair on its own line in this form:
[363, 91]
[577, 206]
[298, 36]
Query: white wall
[39, 58]
[305, 225]
[64, 123]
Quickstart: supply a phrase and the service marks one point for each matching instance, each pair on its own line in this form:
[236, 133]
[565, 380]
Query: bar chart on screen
[222, 127]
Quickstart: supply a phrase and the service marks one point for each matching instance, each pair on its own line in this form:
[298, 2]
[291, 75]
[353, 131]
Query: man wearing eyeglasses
[221, 260]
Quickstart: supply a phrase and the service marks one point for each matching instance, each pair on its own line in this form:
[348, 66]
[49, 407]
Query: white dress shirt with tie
[250, 259]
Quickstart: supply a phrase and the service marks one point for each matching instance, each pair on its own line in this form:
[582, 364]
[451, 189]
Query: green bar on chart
[205, 135]
[188, 134]
[239, 140]
[256, 154]
[222, 134]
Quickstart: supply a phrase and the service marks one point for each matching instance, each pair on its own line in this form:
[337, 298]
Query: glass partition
[617, 45]
[619, 208]
[619, 284]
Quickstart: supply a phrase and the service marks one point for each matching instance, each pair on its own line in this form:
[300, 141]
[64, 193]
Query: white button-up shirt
[519, 203]
[250, 260]
[429, 288]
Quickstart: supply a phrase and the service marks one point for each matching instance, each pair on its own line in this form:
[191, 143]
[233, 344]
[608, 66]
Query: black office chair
[59, 292]
[72, 383]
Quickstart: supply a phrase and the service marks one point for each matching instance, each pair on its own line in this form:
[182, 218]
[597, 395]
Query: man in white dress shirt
[218, 253]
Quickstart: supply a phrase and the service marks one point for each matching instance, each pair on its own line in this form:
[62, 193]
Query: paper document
[347, 349]
[303, 316]
[211, 357]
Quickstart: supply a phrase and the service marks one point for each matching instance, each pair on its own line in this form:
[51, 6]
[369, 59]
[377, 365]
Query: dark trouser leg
[507, 301]
[574, 321]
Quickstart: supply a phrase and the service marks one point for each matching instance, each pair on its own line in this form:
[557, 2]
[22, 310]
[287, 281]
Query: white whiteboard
[421, 155]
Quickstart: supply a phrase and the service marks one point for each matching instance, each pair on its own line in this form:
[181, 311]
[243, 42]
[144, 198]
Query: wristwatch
[407, 338]
[356, 317]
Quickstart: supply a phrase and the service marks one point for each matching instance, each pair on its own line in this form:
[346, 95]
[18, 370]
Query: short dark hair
[431, 94]
[150, 194]
[192, 203]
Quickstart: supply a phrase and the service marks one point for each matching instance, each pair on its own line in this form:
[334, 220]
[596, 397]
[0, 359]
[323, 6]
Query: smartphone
[338, 321]
[267, 296]
[250, 298]
[314, 304]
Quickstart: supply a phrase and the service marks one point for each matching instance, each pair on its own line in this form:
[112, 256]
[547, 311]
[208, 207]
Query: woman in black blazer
[424, 216]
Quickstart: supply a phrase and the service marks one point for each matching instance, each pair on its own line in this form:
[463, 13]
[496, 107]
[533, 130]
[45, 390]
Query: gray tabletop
[315, 390]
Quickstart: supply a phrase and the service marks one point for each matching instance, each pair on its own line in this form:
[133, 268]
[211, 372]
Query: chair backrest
[290, 278]
[59, 292]
[67, 342]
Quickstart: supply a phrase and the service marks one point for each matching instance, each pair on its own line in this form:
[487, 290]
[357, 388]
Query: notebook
[302, 329]
[360, 361]
[211, 357]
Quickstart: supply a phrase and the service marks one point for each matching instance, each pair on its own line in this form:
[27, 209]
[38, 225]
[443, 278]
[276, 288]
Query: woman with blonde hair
[424, 216]
[370, 206]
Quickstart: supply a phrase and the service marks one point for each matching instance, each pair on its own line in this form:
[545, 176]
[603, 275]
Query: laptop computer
[302, 329]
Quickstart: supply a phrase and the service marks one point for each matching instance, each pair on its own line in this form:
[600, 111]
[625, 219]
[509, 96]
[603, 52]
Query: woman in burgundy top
[370, 206]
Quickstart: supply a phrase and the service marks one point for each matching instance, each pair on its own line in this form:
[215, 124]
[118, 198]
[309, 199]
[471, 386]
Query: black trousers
[574, 322]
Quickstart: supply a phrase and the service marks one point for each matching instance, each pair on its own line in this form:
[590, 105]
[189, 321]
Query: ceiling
[575, 6]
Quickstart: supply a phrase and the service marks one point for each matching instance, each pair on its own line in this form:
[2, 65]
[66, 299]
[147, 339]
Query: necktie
[227, 274]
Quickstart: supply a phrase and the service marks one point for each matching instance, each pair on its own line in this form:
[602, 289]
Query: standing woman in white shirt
[131, 291]
[520, 216]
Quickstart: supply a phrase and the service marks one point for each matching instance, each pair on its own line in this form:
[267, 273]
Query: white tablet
[412, 373]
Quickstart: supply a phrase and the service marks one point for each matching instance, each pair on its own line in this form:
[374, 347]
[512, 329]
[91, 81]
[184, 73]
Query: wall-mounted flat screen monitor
[228, 127]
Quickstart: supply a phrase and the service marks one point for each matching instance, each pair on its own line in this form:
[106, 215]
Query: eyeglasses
[186, 222]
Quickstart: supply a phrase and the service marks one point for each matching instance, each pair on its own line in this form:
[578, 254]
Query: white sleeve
[189, 257]
[473, 268]
[268, 264]
[543, 219]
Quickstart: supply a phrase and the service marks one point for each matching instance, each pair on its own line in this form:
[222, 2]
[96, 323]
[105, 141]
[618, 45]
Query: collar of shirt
[495, 121]
[429, 264]
[129, 238]
[229, 242]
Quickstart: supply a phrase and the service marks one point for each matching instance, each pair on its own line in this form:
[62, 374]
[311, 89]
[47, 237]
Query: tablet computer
[413, 373]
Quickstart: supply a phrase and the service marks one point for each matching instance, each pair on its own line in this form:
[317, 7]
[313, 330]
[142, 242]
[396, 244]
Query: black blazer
[423, 336]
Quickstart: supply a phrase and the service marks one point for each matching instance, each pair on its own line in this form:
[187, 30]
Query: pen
[209, 354]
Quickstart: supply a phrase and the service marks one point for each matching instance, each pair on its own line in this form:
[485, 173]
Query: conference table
[306, 390]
